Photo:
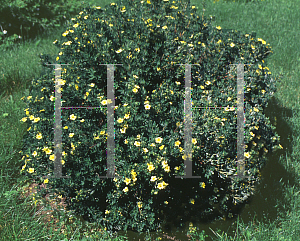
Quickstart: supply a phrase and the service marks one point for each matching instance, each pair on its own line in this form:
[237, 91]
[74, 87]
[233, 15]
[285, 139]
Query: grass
[277, 22]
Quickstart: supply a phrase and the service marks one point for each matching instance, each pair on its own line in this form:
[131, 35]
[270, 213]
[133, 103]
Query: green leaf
[37, 43]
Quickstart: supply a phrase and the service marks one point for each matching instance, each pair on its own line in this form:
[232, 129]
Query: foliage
[33, 16]
[149, 133]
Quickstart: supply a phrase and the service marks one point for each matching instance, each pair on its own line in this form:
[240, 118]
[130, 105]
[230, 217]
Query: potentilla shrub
[150, 38]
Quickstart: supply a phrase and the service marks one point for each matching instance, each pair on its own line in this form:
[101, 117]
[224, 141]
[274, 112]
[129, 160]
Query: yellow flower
[232, 45]
[39, 136]
[203, 185]
[139, 204]
[158, 140]
[177, 143]
[71, 135]
[52, 157]
[134, 90]
[76, 25]
[263, 42]
[150, 167]
[31, 170]
[125, 189]
[161, 147]
[166, 202]
[46, 180]
[153, 178]
[107, 212]
[137, 143]
[47, 150]
[34, 153]
[36, 119]
[61, 82]
[68, 43]
[73, 117]
[167, 169]
[120, 120]
[218, 27]
[119, 51]
[229, 109]
[127, 181]
[164, 163]
[162, 185]
[123, 10]
[247, 154]
[192, 201]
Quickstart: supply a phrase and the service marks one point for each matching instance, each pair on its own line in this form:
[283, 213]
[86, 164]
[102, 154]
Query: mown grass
[277, 22]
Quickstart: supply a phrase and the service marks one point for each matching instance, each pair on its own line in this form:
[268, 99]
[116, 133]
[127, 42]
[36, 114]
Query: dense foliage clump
[150, 39]
[23, 19]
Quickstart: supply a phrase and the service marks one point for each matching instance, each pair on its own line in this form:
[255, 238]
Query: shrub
[149, 133]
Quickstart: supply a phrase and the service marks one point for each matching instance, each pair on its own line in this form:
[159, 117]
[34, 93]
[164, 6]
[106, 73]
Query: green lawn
[275, 21]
